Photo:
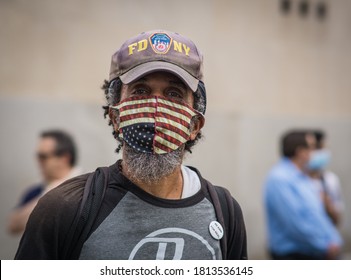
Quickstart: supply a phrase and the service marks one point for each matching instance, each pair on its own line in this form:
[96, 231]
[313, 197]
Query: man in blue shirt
[56, 155]
[298, 226]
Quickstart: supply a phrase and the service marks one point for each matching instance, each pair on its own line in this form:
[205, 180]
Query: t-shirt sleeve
[30, 194]
[50, 221]
[237, 247]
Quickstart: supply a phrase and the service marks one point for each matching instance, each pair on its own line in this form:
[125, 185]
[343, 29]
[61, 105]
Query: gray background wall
[265, 72]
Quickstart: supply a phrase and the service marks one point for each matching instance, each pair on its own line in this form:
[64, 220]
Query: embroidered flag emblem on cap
[154, 124]
[158, 50]
[160, 42]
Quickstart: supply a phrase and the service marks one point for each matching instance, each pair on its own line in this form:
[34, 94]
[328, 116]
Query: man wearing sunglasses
[56, 155]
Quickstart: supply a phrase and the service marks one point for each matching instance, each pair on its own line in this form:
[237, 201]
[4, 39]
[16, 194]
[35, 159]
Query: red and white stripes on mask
[154, 124]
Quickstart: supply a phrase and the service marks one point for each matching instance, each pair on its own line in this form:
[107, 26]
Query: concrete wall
[265, 72]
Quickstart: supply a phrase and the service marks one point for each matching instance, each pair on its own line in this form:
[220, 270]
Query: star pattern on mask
[140, 137]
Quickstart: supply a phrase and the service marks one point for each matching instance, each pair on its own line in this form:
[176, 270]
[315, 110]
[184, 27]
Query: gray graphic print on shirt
[136, 229]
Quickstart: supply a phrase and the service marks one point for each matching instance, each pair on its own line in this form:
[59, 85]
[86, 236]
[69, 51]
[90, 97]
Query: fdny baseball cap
[158, 50]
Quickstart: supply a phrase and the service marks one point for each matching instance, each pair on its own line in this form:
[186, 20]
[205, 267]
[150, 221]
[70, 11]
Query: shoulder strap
[93, 195]
[227, 206]
[224, 208]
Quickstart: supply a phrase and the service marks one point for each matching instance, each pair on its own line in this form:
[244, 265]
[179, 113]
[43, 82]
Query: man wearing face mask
[153, 207]
[298, 226]
[326, 182]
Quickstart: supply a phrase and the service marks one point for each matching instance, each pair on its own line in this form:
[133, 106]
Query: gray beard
[151, 168]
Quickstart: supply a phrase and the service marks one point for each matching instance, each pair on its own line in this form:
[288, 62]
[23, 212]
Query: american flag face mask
[154, 124]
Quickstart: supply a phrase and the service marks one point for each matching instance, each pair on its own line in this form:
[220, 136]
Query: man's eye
[140, 91]
[175, 94]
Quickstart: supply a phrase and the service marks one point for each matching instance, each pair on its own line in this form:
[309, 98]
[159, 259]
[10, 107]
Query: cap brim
[153, 66]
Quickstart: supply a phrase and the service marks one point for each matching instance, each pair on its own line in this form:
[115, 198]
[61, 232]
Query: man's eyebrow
[178, 83]
[141, 80]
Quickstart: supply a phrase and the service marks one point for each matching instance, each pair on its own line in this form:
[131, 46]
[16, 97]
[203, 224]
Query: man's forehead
[164, 76]
[47, 142]
[311, 139]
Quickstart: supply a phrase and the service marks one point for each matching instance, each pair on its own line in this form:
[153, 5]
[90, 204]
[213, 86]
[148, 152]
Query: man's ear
[66, 157]
[113, 117]
[198, 123]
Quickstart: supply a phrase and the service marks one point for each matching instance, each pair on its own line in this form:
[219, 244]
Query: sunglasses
[45, 156]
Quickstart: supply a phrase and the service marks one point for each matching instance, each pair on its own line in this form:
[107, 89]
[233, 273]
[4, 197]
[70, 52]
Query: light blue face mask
[319, 160]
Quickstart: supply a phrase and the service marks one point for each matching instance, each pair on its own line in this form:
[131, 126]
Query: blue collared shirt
[297, 221]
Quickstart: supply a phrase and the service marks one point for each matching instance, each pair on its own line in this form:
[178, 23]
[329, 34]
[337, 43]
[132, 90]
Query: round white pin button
[216, 230]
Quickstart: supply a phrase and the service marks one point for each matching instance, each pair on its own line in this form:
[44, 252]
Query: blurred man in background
[298, 226]
[56, 155]
[327, 183]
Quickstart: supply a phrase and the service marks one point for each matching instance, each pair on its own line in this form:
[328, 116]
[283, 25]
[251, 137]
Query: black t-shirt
[131, 224]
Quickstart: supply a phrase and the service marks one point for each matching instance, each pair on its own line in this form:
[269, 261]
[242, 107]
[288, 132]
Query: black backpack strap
[93, 195]
[228, 215]
[224, 208]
